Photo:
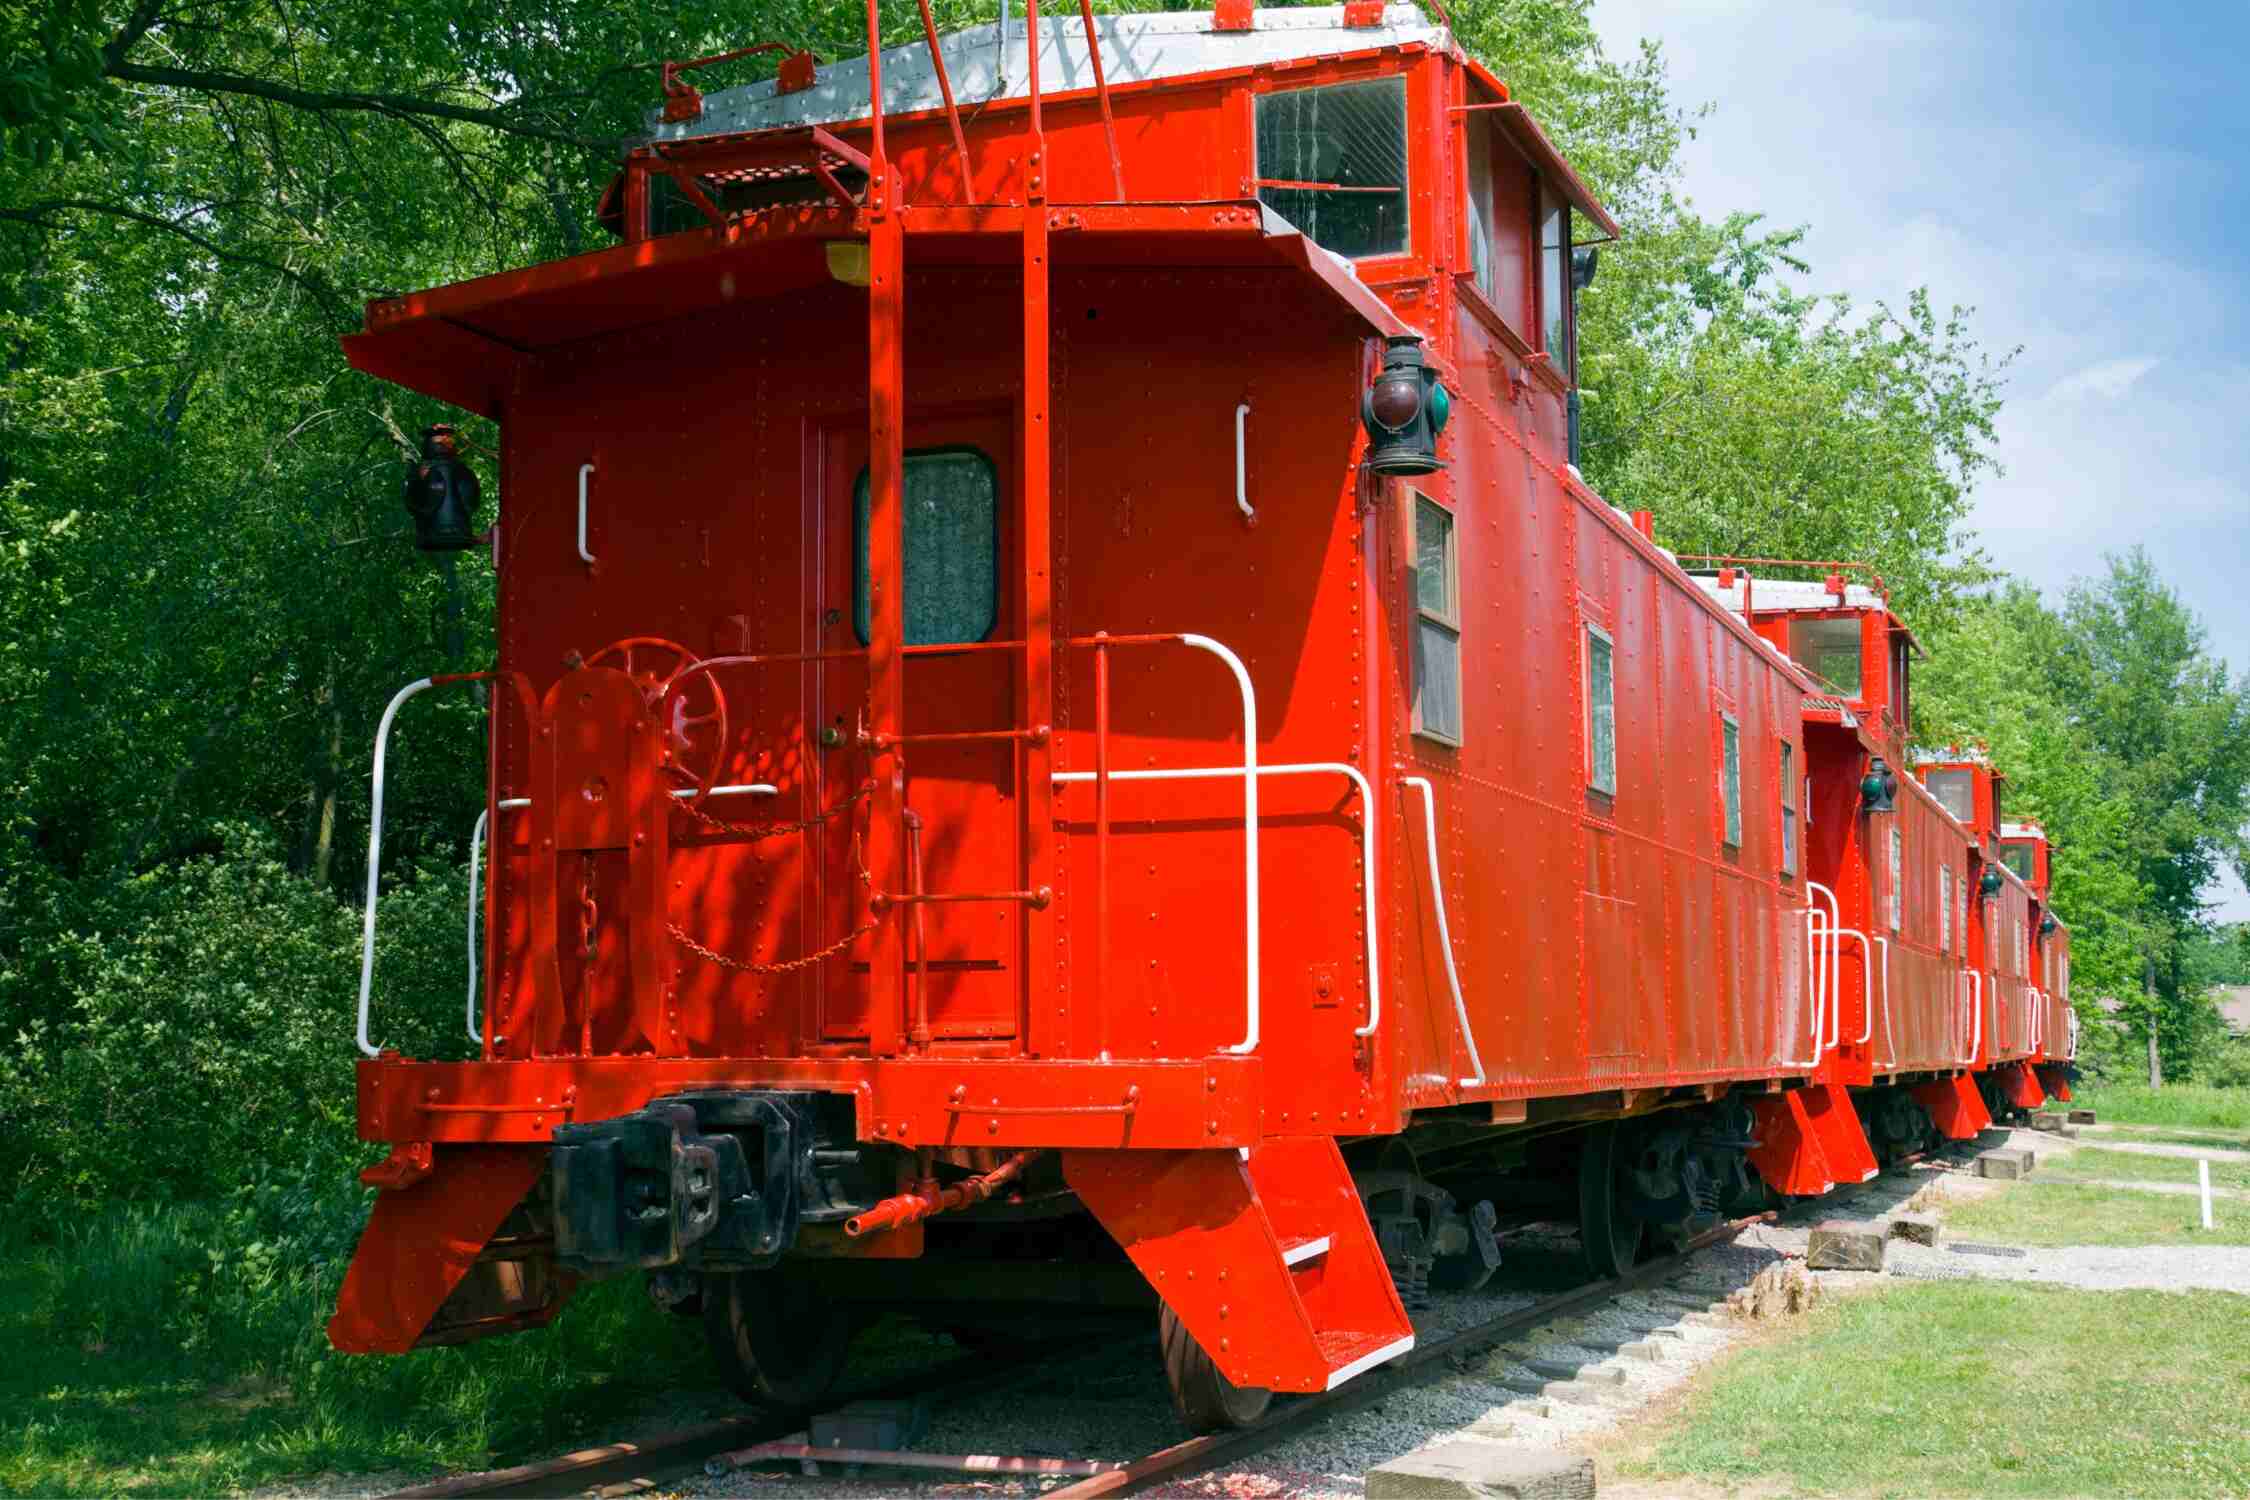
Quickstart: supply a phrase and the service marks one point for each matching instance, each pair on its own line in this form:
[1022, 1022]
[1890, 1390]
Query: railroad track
[621, 1469]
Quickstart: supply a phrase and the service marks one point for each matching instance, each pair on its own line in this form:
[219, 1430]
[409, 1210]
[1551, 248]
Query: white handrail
[1816, 924]
[476, 849]
[1366, 842]
[375, 857]
[1242, 482]
[1249, 1042]
[1866, 992]
[1976, 1012]
[1444, 929]
[1835, 926]
[584, 472]
[1890, 1035]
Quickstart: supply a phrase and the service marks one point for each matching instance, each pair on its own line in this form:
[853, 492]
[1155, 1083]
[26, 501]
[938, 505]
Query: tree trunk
[2148, 988]
[316, 847]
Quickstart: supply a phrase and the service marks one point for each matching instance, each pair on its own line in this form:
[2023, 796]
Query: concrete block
[1482, 1471]
[1845, 1245]
[2007, 1163]
[2083, 1117]
[1566, 1369]
[1919, 1229]
[1581, 1393]
[1648, 1351]
[2047, 1120]
[1705, 1320]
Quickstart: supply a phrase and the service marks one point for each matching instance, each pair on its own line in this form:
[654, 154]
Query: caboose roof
[2023, 831]
[990, 65]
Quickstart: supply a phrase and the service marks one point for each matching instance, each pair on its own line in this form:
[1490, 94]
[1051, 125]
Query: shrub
[191, 1031]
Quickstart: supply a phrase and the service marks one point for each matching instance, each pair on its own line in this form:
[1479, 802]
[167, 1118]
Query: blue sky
[2080, 174]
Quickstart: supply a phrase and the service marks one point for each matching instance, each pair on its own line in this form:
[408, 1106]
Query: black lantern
[1404, 411]
[1878, 789]
[441, 494]
[1991, 882]
[2047, 925]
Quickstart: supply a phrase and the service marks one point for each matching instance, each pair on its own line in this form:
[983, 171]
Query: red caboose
[1068, 733]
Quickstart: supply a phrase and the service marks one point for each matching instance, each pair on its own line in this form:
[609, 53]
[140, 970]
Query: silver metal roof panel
[993, 62]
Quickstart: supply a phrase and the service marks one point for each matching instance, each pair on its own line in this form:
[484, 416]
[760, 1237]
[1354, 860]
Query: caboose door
[959, 486]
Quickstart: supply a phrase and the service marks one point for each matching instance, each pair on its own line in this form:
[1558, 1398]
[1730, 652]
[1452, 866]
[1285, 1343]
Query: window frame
[1945, 908]
[1565, 367]
[1449, 621]
[1730, 782]
[1898, 879]
[1790, 836]
[1590, 632]
[1406, 192]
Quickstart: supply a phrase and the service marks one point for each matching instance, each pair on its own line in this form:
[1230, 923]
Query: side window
[1961, 911]
[1829, 649]
[1437, 626]
[1601, 711]
[1788, 808]
[1730, 777]
[1554, 284]
[952, 547]
[1956, 794]
[1898, 885]
[1945, 908]
[1332, 161]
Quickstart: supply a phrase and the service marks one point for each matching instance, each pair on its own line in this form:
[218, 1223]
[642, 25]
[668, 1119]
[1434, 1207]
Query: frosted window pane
[952, 548]
[1347, 142]
[1955, 794]
[1601, 715]
[1829, 649]
[1437, 681]
[1730, 774]
[1433, 549]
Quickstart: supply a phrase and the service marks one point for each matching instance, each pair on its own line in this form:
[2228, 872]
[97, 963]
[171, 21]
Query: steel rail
[684, 1450]
[613, 1467]
[1428, 1362]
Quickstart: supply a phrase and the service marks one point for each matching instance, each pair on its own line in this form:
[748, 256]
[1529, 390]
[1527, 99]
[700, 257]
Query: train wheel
[1610, 1235]
[1205, 1399]
[778, 1342]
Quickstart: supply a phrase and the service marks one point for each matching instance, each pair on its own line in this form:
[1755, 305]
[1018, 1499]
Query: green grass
[2135, 1166]
[1982, 1388]
[2037, 1213]
[2174, 1104]
[168, 1351]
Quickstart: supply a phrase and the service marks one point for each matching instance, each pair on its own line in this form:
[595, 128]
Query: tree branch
[39, 213]
[397, 106]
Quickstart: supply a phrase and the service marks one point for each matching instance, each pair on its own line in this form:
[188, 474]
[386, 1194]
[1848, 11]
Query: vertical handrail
[585, 472]
[1101, 841]
[1835, 925]
[1890, 1034]
[1101, 91]
[1976, 1015]
[952, 112]
[1866, 989]
[1249, 1042]
[1242, 464]
[1445, 932]
[375, 841]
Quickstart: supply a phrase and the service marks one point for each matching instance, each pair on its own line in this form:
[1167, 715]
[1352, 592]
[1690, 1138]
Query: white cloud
[2106, 381]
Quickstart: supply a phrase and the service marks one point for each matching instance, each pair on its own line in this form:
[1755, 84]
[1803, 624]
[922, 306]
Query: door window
[952, 547]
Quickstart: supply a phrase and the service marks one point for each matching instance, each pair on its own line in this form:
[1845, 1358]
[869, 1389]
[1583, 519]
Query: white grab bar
[1444, 930]
[375, 856]
[1976, 1012]
[1816, 922]
[1242, 479]
[1866, 993]
[1890, 1036]
[1249, 1042]
[1366, 843]
[476, 851]
[585, 471]
[1835, 925]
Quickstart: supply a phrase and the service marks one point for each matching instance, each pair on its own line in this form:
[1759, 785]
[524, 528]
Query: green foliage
[182, 1351]
[194, 1025]
[2125, 1102]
